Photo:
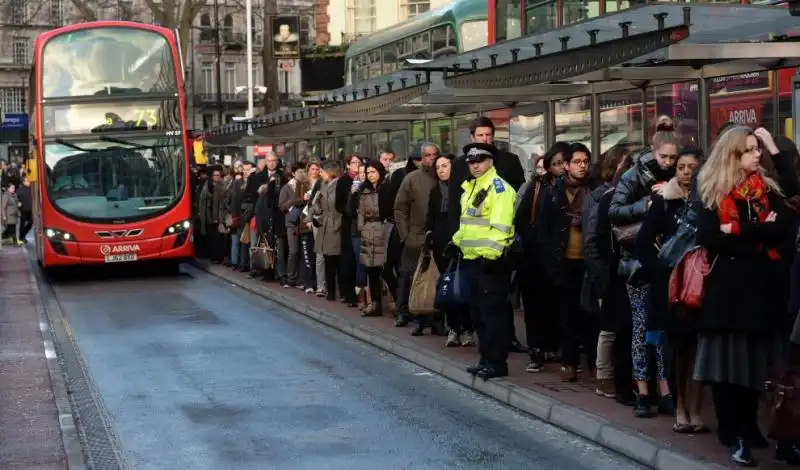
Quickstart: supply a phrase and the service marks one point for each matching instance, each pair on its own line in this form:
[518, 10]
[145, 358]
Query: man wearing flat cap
[484, 236]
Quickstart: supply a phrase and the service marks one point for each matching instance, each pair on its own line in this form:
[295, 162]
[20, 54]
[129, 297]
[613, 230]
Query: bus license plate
[120, 258]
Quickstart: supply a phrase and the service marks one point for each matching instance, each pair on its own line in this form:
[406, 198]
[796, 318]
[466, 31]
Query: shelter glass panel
[398, 141]
[782, 79]
[378, 142]
[343, 147]
[500, 118]
[678, 100]
[746, 99]
[359, 143]
[573, 120]
[442, 134]
[417, 133]
[620, 119]
[527, 136]
[329, 149]
[462, 124]
[541, 17]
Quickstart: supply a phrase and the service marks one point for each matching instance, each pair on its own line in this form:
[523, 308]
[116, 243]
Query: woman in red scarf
[742, 325]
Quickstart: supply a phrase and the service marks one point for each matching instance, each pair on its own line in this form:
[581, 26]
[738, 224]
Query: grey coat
[328, 240]
[10, 209]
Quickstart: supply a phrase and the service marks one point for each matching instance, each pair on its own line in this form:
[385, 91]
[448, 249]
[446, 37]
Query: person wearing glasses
[561, 237]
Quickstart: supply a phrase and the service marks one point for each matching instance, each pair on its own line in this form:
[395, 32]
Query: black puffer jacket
[632, 195]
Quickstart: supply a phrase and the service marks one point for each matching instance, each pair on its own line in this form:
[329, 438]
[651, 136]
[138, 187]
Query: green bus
[457, 27]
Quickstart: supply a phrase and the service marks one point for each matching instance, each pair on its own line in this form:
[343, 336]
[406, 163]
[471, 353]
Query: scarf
[753, 191]
[445, 195]
[578, 189]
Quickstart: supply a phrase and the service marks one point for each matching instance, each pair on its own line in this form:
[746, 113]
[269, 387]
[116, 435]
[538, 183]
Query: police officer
[484, 236]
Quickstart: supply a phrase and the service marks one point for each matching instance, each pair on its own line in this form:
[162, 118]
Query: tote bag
[424, 285]
[452, 291]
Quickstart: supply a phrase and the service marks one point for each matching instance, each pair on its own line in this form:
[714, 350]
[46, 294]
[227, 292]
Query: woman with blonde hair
[742, 223]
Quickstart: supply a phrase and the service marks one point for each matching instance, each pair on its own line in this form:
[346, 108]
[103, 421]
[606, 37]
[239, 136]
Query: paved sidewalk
[573, 407]
[30, 434]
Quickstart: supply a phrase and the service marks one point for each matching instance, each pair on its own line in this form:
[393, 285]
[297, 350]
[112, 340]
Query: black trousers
[408, 263]
[331, 275]
[540, 308]
[213, 242]
[457, 320]
[737, 411]
[25, 224]
[391, 265]
[347, 269]
[375, 287]
[576, 326]
[489, 283]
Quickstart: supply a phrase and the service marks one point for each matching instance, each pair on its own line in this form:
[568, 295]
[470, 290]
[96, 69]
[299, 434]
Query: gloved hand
[654, 337]
[452, 251]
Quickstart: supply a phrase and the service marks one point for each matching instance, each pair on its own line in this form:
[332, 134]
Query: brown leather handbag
[785, 405]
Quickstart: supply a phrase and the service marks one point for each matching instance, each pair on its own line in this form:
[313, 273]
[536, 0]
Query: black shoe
[492, 372]
[626, 398]
[642, 407]
[740, 454]
[788, 453]
[476, 368]
[666, 406]
[401, 320]
[517, 347]
[438, 329]
[755, 439]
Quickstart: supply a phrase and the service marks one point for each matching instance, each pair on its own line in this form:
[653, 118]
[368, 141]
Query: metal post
[249, 15]
[550, 124]
[645, 127]
[218, 52]
[594, 115]
[703, 115]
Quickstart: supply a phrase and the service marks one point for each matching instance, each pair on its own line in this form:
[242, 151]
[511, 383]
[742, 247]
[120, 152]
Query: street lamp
[249, 116]
[249, 29]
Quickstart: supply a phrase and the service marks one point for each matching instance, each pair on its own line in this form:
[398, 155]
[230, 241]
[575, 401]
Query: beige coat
[411, 206]
[373, 234]
[328, 240]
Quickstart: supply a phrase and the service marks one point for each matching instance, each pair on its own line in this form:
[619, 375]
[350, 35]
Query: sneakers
[467, 338]
[309, 290]
[536, 362]
[453, 339]
[606, 388]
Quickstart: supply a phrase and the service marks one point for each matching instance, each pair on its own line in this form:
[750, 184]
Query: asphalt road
[196, 374]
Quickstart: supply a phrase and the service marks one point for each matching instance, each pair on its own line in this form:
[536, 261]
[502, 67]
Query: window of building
[12, 100]
[56, 12]
[19, 11]
[229, 83]
[473, 35]
[444, 42]
[208, 121]
[364, 16]
[206, 32]
[416, 7]
[257, 73]
[22, 49]
[307, 35]
[227, 29]
[208, 77]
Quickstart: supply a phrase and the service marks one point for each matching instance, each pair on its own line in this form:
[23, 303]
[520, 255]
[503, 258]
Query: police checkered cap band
[476, 152]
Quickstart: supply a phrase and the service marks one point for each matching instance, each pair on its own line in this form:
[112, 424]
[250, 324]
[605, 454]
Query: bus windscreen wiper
[132, 145]
[73, 146]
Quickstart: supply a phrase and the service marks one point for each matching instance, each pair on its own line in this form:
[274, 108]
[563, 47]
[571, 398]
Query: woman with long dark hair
[372, 244]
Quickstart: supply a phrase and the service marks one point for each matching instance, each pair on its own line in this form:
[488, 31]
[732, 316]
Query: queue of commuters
[589, 244]
[16, 204]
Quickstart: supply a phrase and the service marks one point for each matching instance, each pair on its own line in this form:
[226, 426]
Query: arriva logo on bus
[116, 249]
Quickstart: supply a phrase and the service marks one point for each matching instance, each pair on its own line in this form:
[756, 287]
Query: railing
[209, 100]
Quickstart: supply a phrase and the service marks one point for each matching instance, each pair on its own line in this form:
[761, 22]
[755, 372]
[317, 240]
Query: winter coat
[745, 292]
[370, 226]
[25, 196]
[411, 206]
[391, 186]
[291, 196]
[211, 205]
[328, 240]
[596, 253]
[660, 224]
[527, 229]
[632, 194]
[10, 208]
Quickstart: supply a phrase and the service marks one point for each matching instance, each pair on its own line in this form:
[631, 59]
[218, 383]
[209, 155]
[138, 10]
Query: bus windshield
[105, 61]
[112, 180]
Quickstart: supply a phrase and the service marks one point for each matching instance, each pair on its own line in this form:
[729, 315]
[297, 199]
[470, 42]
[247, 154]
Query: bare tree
[173, 14]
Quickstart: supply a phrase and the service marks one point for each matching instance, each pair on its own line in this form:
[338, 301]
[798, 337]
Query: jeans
[361, 272]
[235, 247]
[309, 266]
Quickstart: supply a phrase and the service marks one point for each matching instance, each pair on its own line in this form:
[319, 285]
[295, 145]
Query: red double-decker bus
[109, 146]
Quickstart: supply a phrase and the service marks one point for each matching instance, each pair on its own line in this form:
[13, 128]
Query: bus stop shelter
[645, 46]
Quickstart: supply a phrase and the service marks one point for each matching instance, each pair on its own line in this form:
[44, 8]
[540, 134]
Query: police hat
[476, 152]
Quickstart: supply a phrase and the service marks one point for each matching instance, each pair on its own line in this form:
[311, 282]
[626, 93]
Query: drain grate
[101, 447]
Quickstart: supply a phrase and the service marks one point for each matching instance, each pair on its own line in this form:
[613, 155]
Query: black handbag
[685, 238]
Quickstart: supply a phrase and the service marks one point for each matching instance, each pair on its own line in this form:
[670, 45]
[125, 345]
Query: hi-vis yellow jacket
[485, 231]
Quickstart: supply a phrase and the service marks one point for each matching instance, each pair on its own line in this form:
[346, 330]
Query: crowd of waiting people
[595, 273]
[16, 204]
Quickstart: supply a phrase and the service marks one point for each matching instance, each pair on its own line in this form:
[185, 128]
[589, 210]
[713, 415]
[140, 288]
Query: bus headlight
[180, 227]
[58, 235]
